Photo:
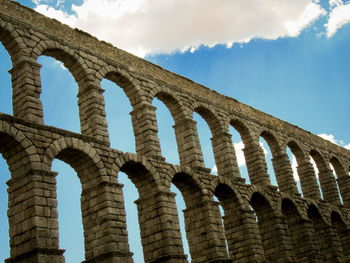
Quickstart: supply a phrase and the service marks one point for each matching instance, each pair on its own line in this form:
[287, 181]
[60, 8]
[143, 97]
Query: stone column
[242, 234]
[330, 247]
[145, 130]
[160, 230]
[284, 174]
[308, 180]
[301, 234]
[26, 90]
[329, 185]
[204, 233]
[188, 143]
[256, 164]
[33, 218]
[274, 236]
[92, 112]
[104, 223]
[225, 157]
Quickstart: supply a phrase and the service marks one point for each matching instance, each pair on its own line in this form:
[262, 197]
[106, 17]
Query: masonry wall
[262, 223]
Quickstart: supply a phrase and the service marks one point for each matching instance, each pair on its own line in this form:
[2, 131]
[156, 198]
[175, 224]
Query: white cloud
[264, 149]
[294, 168]
[338, 16]
[157, 26]
[314, 165]
[57, 14]
[332, 139]
[239, 153]
[328, 137]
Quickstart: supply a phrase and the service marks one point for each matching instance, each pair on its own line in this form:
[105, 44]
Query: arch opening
[268, 153]
[239, 146]
[315, 166]
[59, 93]
[332, 165]
[118, 108]
[71, 236]
[293, 160]
[204, 136]
[72, 162]
[338, 172]
[4, 224]
[180, 206]
[166, 133]
[6, 87]
[130, 195]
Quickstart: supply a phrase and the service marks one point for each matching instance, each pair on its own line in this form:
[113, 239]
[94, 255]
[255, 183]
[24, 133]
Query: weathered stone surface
[262, 223]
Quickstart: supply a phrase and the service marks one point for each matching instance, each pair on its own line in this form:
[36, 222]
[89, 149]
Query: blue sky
[287, 58]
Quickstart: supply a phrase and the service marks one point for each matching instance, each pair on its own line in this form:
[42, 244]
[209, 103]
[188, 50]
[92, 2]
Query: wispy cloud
[156, 26]
[338, 16]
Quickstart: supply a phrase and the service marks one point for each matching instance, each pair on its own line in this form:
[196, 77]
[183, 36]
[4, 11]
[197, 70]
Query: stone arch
[178, 114]
[222, 147]
[29, 189]
[204, 110]
[132, 164]
[254, 156]
[305, 170]
[20, 153]
[156, 206]
[14, 45]
[298, 235]
[342, 232]
[124, 80]
[74, 63]
[323, 236]
[172, 102]
[326, 177]
[271, 228]
[239, 223]
[204, 245]
[272, 141]
[319, 160]
[342, 178]
[281, 163]
[97, 197]
[338, 167]
[243, 129]
[64, 144]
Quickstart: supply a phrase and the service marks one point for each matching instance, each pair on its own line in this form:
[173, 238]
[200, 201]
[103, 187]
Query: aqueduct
[262, 223]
